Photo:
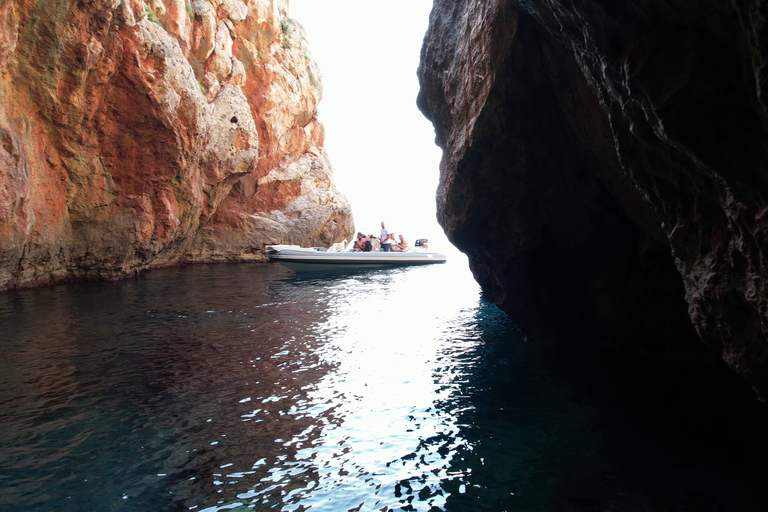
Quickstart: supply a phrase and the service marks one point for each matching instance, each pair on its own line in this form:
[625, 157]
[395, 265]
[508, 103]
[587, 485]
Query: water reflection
[247, 387]
[208, 387]
[376, 406]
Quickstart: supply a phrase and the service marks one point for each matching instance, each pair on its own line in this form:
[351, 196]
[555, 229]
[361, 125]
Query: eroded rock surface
[142, 134]
[605, 168]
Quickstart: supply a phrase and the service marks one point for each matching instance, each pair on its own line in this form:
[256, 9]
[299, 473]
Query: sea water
[248, 387]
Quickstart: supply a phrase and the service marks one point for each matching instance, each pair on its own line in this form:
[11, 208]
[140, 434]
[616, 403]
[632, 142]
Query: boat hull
[319, 261]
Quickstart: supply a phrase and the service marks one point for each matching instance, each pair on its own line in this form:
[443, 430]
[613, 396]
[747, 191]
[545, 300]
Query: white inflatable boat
[316, 259]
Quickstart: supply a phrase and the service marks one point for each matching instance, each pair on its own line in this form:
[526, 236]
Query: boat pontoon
[314, 259]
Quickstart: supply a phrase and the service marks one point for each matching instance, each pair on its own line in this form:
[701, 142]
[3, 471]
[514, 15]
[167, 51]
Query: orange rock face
[135, 135]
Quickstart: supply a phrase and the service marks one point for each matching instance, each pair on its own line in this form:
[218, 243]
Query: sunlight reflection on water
[216, 387]
[246, 387]
[382, 335]
[385, 346]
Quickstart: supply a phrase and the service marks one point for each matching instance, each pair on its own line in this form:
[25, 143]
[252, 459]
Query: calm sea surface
[245, 387]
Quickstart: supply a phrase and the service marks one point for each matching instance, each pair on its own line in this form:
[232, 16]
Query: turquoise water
[246, 387]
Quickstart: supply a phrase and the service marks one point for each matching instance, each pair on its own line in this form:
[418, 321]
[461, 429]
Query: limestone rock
[604, 167]
[129, 132]
[296, 204]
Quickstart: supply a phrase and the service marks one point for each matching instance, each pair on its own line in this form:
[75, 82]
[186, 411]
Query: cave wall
[142, 134]
[604, 169]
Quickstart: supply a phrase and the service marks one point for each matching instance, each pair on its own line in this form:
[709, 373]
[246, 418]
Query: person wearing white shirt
[385, 238]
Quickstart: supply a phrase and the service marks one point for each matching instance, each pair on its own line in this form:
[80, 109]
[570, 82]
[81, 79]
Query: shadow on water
[534, 435]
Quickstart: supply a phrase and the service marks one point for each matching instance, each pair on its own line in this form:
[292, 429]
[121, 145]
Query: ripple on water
[224, 387]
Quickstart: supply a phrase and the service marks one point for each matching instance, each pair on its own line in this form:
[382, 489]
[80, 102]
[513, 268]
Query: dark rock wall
[605, 169]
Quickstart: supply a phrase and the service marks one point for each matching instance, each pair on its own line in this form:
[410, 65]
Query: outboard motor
[423, 243]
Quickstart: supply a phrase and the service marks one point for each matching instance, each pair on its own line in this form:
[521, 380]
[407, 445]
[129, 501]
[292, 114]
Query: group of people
[387, 240]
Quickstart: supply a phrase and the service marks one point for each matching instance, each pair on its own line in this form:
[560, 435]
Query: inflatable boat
[316, 259]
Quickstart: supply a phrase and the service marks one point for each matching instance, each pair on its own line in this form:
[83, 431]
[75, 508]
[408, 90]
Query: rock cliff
[605, 168]
[143, 134]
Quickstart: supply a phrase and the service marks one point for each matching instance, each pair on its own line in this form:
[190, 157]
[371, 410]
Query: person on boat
[385, 238]
[360, 243]
[401, 245]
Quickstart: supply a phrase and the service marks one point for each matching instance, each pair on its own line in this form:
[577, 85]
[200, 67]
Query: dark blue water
[244, 387]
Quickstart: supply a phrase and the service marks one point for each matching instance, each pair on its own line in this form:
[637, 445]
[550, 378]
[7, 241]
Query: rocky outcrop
[605, 169]
[142, 134]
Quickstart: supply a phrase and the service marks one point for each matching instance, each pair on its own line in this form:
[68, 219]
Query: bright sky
[380, 145]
